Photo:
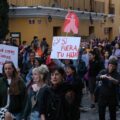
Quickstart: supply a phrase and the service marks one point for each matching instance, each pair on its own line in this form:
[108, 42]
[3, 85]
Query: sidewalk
[91, 114]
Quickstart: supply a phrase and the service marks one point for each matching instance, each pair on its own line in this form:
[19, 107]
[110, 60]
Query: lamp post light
[49, 18]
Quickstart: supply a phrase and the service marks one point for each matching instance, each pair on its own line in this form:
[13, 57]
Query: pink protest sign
[71, 23]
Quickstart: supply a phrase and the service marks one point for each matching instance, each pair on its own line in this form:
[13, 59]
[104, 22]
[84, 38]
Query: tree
[4, 10]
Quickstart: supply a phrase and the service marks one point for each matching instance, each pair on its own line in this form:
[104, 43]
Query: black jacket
[108, 89]
[29, 105]
[17, 102]
[53, 103]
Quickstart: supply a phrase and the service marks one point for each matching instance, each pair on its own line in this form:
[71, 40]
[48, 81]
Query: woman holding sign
[12, 92]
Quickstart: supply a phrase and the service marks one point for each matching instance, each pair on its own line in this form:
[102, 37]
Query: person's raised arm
[59, 63]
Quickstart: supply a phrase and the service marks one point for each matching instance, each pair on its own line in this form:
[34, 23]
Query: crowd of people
[52, 89]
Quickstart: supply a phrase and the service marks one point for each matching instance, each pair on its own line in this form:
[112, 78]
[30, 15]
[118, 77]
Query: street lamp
[49, 18]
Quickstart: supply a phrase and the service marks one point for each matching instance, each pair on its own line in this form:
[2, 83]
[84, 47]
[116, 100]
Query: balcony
[83, 5]
[57, 8]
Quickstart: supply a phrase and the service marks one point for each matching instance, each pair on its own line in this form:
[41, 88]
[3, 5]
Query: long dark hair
[96, 53]
[14, 86]
[14, 69]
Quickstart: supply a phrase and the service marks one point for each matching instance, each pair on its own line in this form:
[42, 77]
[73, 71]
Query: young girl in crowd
[12, 92]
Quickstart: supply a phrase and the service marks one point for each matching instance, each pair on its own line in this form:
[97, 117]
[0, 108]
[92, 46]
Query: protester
[106, 58]
[73, 102]
[12, 91]
[117, 54]
[29, 64]
[35, 94]
[44, 44]
[37, 63]
[54, 100]
[35, 41]
[108, 90]
[58, 95]
[95, 65]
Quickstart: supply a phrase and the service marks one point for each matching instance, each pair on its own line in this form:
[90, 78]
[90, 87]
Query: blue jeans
[17, 116]
[34, 115]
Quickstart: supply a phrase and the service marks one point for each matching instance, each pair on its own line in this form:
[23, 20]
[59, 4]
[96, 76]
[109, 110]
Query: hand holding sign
[56, 41]
[8, 53]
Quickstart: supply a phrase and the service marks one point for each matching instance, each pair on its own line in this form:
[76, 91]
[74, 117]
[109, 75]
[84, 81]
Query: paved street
[92, 114]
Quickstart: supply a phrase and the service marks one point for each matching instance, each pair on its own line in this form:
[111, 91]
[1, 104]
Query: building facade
[45, 18]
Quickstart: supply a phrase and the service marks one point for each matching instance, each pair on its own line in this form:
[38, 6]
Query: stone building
[45, 18]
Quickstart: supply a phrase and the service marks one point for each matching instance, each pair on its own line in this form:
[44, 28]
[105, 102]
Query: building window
[106, 30]
[39, 21]
[31, 21]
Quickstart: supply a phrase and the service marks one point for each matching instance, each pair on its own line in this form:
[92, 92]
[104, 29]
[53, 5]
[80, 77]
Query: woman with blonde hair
[32, 109]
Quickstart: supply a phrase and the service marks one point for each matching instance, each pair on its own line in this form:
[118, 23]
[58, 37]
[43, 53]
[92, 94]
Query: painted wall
[45, 28]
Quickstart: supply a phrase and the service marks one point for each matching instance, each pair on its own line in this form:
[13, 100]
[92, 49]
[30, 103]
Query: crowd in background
[51, 89]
